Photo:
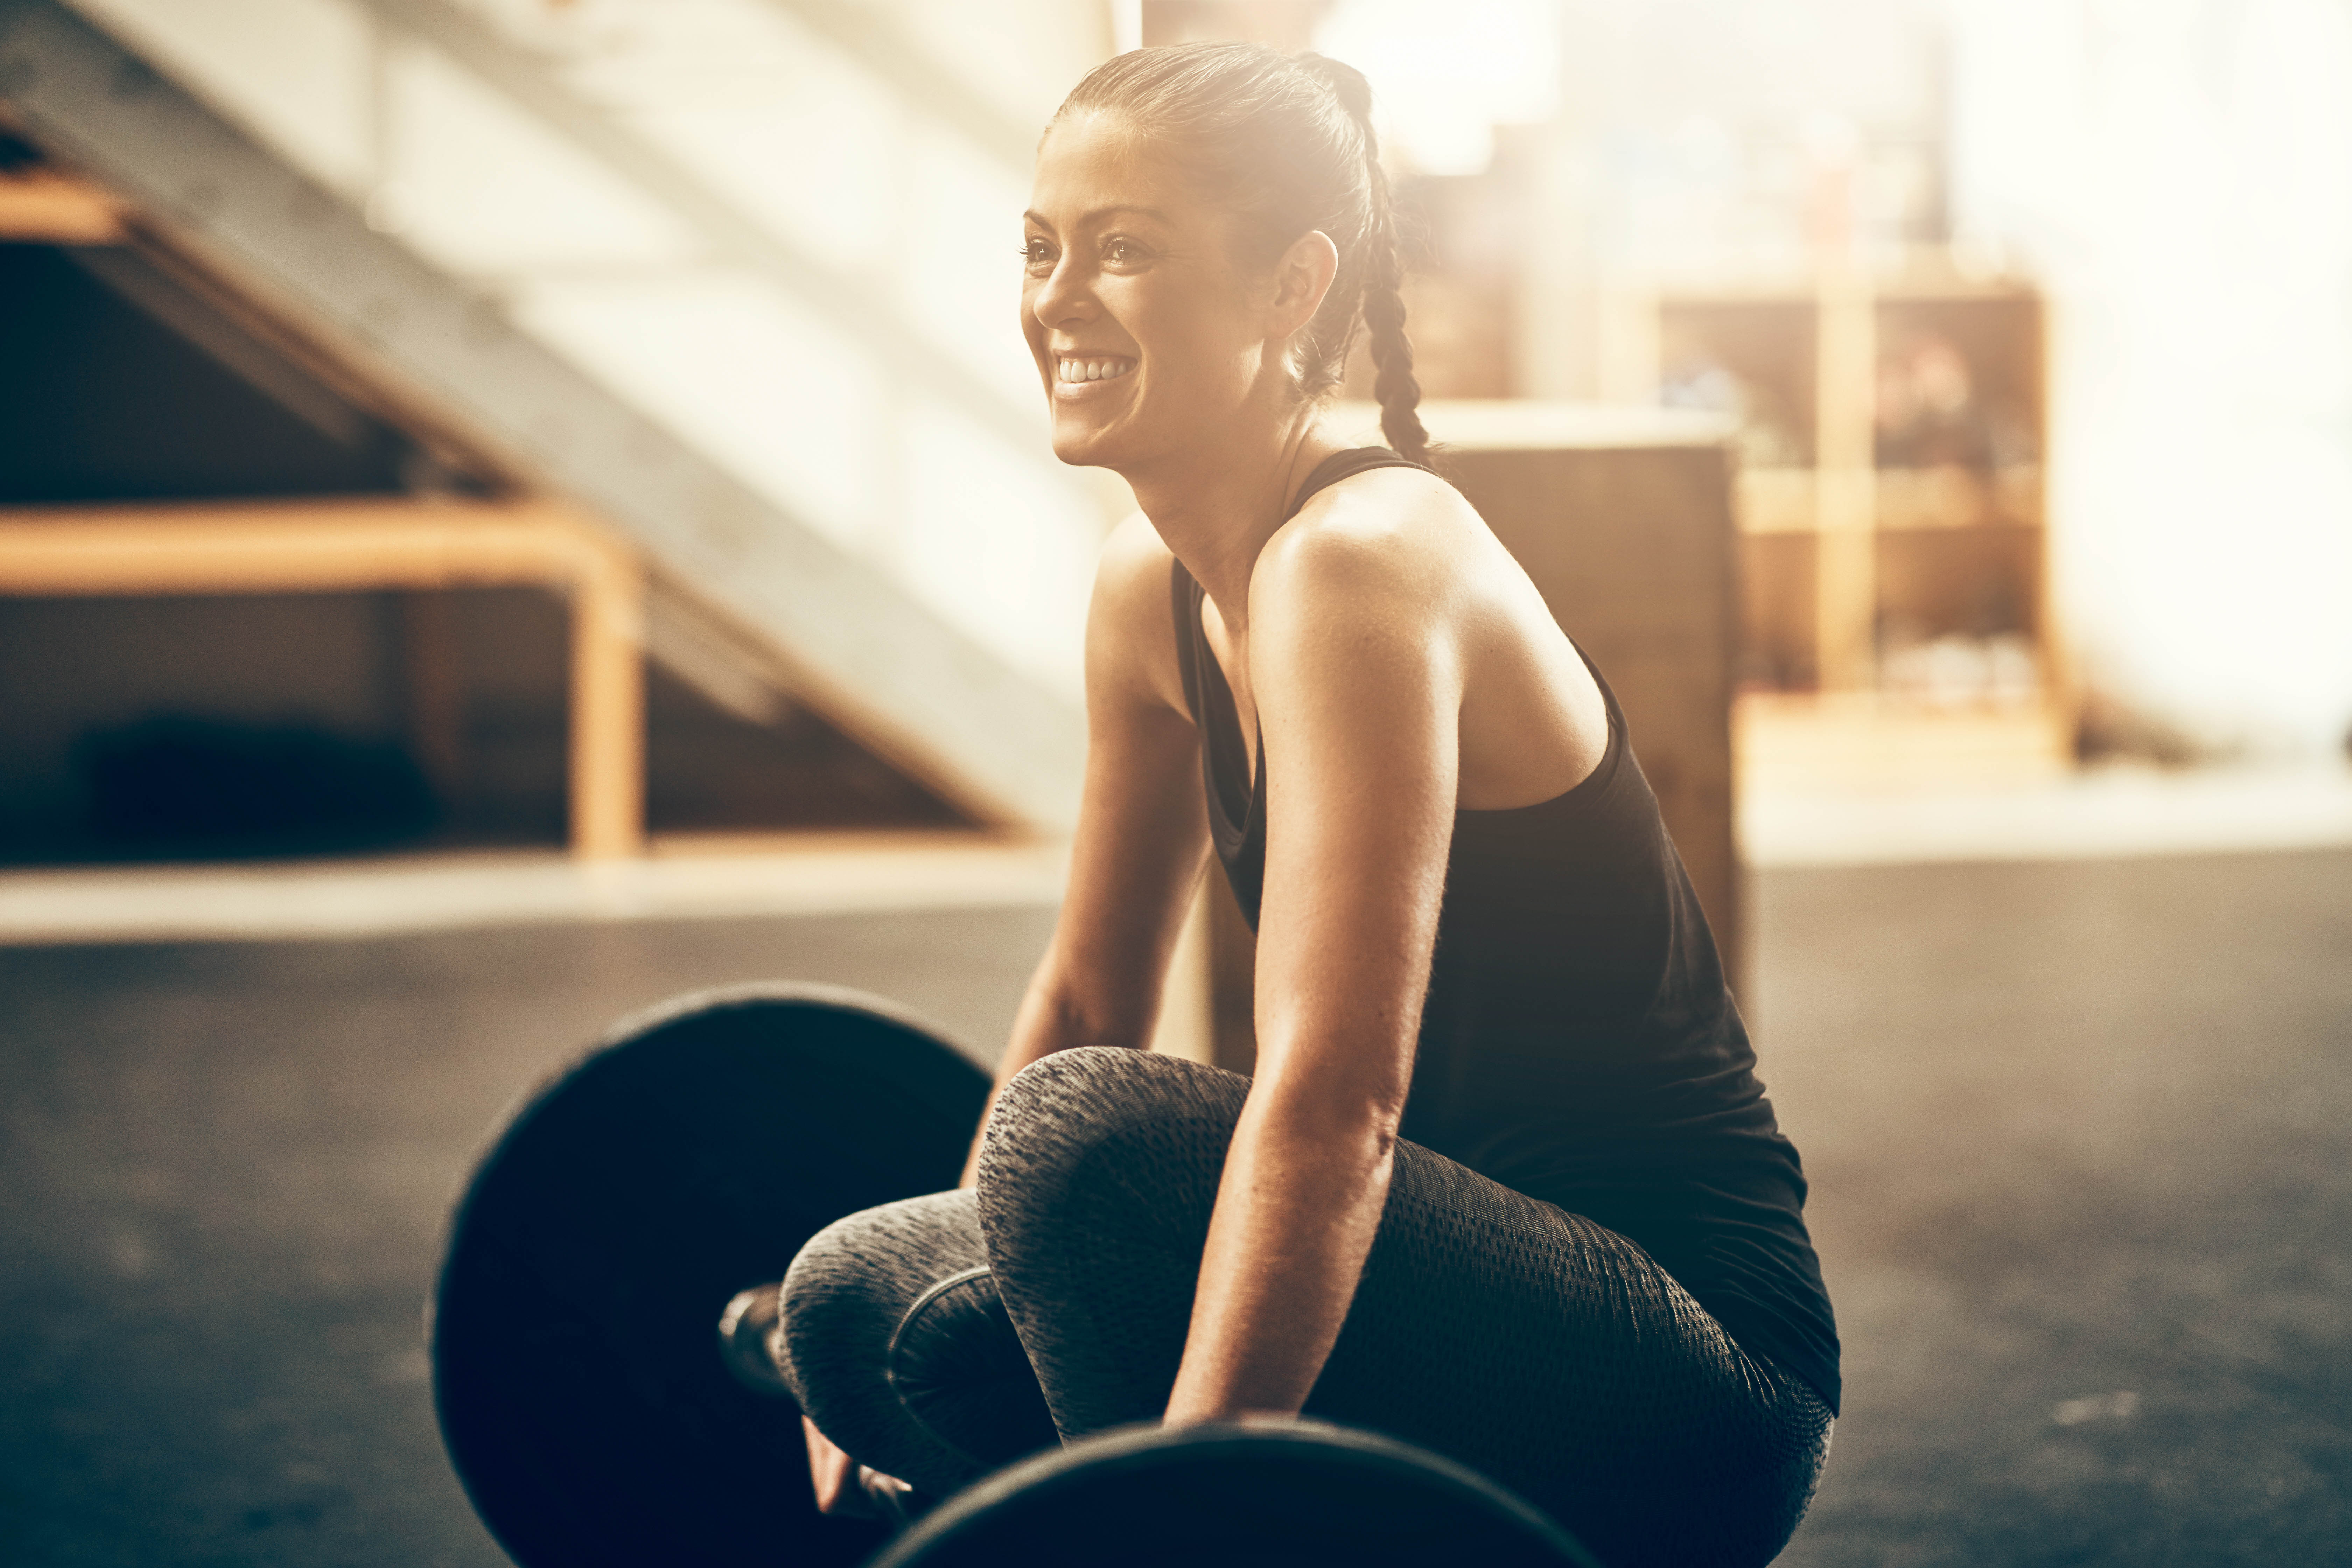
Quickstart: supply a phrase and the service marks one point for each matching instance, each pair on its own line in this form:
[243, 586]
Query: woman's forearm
[1035, 1035]
[1048, 1022]
[1304, 1184]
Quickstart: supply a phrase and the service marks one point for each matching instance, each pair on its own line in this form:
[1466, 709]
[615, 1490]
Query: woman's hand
[832, 1476]
[846, 1488]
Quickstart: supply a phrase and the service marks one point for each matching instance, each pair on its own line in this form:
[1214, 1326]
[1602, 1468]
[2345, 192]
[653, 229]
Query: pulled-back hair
[1287, 142]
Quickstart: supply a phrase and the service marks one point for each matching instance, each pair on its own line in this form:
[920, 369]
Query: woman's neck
[1217, 506]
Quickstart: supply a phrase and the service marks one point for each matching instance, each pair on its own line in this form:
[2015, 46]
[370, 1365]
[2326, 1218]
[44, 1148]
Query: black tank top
[1577, 1042]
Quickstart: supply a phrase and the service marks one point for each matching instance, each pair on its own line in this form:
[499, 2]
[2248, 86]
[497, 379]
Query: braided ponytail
[1290, 141]
[1394, 386]
[1383, 305]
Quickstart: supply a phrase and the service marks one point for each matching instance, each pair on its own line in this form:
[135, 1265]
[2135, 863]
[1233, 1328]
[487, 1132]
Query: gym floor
[2081, 1138]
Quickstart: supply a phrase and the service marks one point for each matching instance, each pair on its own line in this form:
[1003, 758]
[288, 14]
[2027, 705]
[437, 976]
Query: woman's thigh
[1528, 1343]
[1558, 1357]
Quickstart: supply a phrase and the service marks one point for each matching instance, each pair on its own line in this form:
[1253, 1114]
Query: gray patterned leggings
[939, 1338]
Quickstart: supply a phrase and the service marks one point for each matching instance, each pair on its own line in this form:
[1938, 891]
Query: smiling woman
[1505, 1184]
[1136, 260]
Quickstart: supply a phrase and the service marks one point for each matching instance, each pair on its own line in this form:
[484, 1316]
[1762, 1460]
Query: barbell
[686, 1156]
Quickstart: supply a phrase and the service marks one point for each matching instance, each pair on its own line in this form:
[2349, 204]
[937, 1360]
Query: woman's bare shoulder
[1391, 536]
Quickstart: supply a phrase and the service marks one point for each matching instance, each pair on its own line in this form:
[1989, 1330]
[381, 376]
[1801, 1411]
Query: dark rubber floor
[2081, 1138]
[2080, 1143]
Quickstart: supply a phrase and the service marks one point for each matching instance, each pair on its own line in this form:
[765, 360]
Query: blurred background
[509, 509]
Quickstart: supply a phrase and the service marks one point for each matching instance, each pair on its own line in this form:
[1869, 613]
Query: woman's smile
[1082, 374]
[1123, 262]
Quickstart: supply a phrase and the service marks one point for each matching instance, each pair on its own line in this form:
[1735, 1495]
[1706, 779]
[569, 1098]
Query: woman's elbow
[1314, 1108]
[1062, 1015]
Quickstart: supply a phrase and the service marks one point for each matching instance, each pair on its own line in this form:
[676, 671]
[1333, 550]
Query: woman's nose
[1065, 299]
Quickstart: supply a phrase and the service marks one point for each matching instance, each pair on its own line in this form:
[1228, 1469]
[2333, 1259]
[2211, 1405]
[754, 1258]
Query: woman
[1504, 1183]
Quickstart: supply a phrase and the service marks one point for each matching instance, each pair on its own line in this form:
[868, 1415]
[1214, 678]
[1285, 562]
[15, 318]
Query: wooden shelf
[1919, 272]
[1914, 360]
[1799, 744]
[1783, 500]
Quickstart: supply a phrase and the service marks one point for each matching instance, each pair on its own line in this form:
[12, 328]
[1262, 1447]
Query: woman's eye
[1037, 253]
[1121, 253]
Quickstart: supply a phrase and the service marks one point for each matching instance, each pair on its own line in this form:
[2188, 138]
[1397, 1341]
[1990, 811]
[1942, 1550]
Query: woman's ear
[1301, 278]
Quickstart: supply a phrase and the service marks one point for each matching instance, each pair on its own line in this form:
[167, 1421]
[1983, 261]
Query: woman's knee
[1067, 1121]
[894, 1341]
[850, 1286]
[1098, 1177]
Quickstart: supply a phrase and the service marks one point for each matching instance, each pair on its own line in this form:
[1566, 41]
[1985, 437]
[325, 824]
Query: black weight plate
[1236, 1497]
[686, 1156]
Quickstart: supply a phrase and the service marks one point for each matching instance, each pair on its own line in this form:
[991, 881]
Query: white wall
[2179, 173]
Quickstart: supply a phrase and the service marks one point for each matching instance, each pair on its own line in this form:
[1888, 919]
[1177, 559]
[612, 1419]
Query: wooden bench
[359, 545]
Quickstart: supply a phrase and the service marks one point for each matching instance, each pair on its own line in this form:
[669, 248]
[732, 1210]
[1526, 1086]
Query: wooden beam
[303, 546]
[608, 710]
[288, 547]
[1845, 480]
[40, 206]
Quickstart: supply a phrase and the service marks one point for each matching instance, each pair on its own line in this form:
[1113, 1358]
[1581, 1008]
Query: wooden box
[1623, 519]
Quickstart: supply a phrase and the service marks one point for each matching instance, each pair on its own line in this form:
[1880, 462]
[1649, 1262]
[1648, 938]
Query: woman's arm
[1143, 829]
[1143, 835]
[1359, 695]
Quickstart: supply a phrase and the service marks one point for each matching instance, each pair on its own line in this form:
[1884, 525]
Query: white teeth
[1078, 370]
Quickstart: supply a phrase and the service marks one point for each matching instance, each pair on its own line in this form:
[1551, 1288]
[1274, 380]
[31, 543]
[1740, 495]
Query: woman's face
[1148, 334]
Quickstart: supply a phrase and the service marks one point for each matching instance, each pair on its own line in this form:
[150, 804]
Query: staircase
[733, 276]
